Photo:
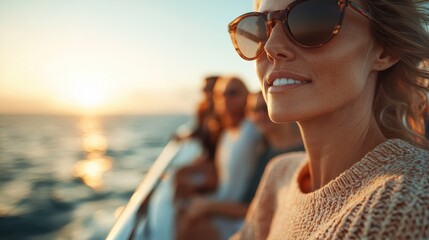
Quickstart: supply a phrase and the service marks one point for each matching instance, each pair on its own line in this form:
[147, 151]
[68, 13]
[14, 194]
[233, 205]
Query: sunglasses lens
[251, 35]
[312, 22]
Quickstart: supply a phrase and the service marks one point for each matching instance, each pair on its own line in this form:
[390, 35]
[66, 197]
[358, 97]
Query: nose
[279, 46]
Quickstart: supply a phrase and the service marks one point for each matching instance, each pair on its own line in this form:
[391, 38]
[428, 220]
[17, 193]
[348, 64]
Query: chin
[279, 117]
[281, 114]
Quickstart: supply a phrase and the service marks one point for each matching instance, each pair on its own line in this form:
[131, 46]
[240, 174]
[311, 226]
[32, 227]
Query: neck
[334, 144]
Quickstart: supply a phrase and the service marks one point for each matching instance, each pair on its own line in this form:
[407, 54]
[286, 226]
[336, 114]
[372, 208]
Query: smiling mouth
[287, 81]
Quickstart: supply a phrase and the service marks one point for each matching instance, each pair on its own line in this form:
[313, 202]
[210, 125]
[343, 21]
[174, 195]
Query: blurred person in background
[217, 219]
[198, 144]
[235, 157]
[207, 130]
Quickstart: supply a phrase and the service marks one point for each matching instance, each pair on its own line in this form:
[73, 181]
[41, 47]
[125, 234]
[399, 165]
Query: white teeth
[287, 81]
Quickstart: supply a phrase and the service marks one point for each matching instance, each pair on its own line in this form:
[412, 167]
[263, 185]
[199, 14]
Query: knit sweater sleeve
[396, 209]
[401, 208]
[263, 206]
[383, 196]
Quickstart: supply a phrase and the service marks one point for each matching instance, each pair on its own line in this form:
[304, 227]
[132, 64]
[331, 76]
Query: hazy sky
[128, 56]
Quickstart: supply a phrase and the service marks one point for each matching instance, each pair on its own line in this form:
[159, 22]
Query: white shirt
[235, 161]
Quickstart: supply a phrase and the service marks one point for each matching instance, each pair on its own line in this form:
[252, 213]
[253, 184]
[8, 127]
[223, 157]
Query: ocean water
[64, 177]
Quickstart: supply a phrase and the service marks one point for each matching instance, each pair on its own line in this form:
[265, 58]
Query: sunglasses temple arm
[362, 11]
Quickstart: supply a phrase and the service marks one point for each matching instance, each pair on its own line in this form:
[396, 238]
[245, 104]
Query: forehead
[228, 84]
[234, 85]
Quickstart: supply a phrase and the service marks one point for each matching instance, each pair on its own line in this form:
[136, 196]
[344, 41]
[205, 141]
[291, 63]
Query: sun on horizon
[85, 93]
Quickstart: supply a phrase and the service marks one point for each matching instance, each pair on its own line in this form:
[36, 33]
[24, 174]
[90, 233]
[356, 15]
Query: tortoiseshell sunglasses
[308, 23]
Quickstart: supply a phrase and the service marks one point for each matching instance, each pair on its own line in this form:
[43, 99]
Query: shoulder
[409, 162]
[398, 208]
[264, 205]
[396, 157]
[403, 172]
[406, 176]
[395, 198]
[289, 159]
[282, 167]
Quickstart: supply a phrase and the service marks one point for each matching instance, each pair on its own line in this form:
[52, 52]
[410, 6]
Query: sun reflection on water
[96, 163]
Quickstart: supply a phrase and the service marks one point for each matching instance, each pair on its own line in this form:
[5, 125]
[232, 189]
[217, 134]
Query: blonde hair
[256, 4]
[401, 102]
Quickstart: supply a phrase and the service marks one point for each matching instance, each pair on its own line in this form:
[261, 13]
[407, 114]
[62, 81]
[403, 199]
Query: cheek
[340, 83]
[342, 66]
[343, 74]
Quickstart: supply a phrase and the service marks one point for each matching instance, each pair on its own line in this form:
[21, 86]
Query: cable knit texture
[383, 196]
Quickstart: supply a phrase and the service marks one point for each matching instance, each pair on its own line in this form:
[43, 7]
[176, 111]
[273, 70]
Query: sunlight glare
[85, 92]
[88, 94]
[91, 169]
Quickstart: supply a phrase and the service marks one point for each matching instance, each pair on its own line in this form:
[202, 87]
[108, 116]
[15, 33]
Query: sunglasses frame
[282, 15]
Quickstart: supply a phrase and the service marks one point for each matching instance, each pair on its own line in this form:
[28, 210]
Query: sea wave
[65, 177]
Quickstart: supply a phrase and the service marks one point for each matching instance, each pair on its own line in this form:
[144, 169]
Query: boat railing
[131, 216]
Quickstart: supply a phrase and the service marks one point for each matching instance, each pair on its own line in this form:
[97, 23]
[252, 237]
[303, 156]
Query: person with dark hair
[199, 176]
[196, 154]
[235, 156]
[220, 219]
[207, 128]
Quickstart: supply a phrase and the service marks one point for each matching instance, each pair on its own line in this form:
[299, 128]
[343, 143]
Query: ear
[384, 59]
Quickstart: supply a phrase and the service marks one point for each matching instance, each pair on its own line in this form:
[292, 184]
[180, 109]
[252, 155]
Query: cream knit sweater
[383, 196]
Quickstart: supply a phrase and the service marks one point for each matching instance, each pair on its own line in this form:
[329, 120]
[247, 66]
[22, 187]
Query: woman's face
[230, 97]
[336, 76]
